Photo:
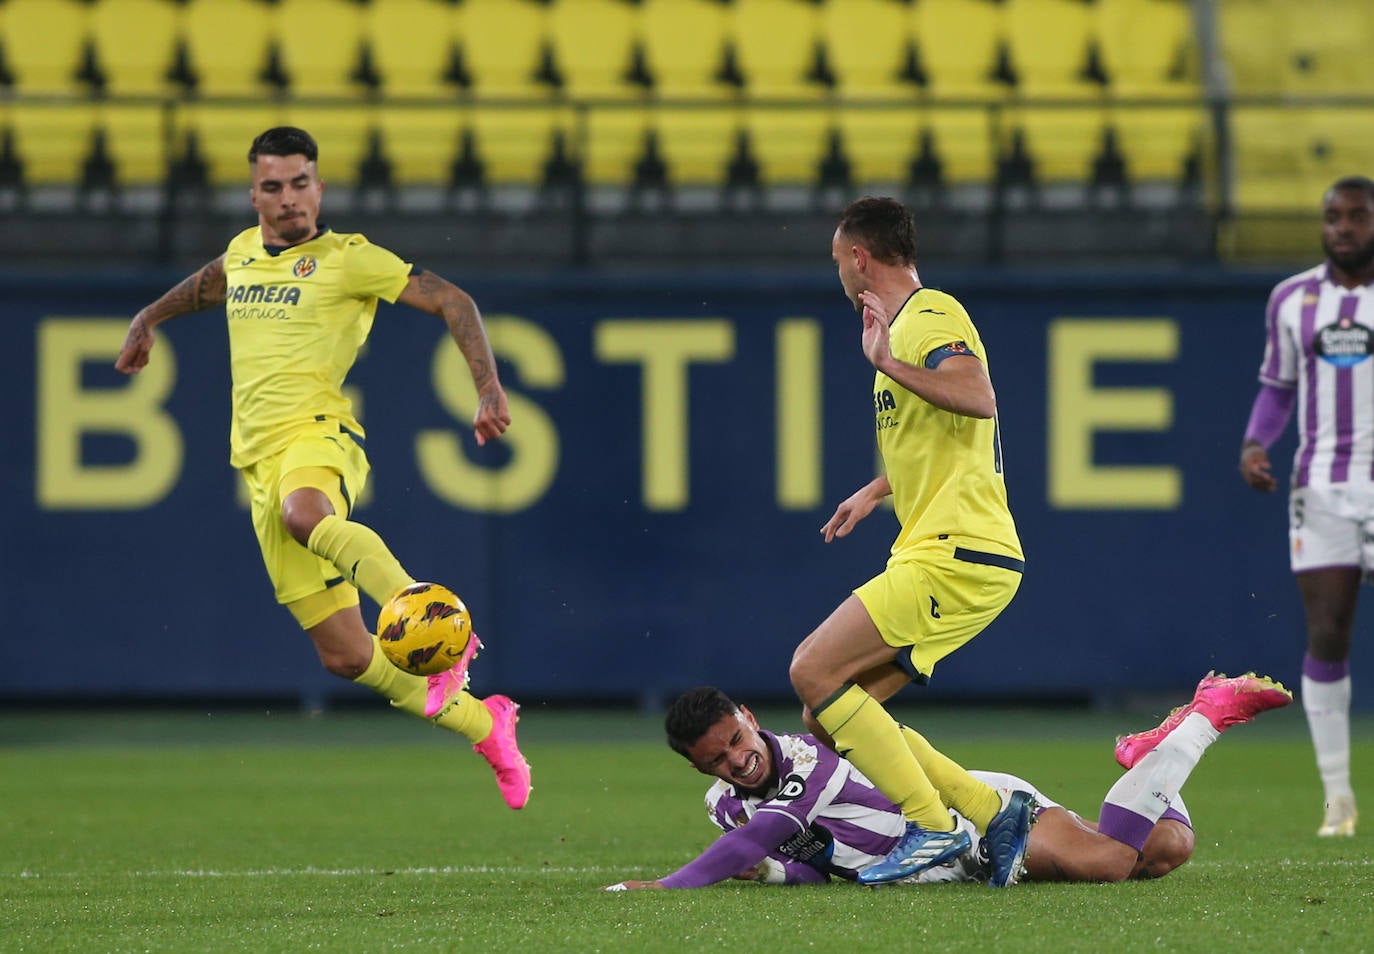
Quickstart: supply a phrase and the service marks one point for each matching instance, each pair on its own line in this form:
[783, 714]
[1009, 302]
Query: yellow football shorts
[936, 596]
[328, 458]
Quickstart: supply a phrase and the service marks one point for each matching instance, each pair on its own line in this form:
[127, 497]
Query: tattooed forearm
[196, 292]
[464, 322]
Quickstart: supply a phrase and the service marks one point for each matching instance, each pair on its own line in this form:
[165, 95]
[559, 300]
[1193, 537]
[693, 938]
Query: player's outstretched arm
[855, 507]
[428, 292]
[194, 293]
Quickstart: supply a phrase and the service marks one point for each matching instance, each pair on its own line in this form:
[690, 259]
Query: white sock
[1327, 705]
[1150, 787]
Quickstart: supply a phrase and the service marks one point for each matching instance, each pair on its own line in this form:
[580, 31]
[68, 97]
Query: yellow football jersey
[945, 469]
[297, 317]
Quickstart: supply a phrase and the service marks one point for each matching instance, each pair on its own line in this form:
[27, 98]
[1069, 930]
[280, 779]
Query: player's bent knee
[1170, 845]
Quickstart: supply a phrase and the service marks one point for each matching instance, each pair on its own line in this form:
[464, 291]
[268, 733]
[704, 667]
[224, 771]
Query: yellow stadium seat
[136, 135]
[1286, 159]
[789, 143]
[615, 141]
[867, 41]
[1156, 140]
[1329, 53]
[697, 143]
[683, 40]
[340, 131]
[501, 42]
[227, 41]
[963, 140]
[881, 142]
[1062, 141]
[52, 139]
[421, 142]
[514, 142]
[225, 133]
[411, 43]
[1142, 42]
[135, 40]
[320, 42]
[776, 42]
[1048, 40]
[592, 41]
[958, 41]
[43, 40]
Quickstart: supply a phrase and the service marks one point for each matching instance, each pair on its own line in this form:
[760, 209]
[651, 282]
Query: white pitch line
[326, 872]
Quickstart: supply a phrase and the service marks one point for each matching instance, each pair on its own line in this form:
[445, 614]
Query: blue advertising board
[651, 520]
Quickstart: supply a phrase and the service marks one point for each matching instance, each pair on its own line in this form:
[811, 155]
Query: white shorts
[1331, 526]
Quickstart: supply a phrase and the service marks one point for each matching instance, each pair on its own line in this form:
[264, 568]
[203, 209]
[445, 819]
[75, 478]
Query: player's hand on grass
[636, 886]
[1254, 467]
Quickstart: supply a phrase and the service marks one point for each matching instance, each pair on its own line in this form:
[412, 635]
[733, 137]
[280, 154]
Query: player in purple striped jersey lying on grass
[794, 812]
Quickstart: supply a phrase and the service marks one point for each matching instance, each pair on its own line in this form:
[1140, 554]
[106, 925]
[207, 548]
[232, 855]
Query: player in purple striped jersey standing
[1317, 356]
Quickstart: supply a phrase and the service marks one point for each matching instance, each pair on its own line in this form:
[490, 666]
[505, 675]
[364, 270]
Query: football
[424, 629]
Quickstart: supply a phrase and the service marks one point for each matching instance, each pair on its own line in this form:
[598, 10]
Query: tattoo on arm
[464, 322]
[196, 292]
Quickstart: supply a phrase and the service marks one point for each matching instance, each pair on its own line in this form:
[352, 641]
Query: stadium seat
[421, 142]
[411, 41]
[958, 41]
[225, 132]
[697, 142]
[1062, 141]
[52, 139]
[1156, 140]
[963, 138]
[789, 143]
[683, 40]
[320, 42]
[135, 40]
[867, 41]
[227, 47]
[43, 41]
[514, 141]
[136, 135]
[615, 140]
[1285, 160]
[1144, 42]
[342, 134]
[1048, 41]
[501, 42]
[592, 40]
[881, 142]
[776, 42]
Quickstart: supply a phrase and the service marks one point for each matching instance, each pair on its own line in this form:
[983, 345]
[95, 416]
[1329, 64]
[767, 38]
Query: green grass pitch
[370, 832]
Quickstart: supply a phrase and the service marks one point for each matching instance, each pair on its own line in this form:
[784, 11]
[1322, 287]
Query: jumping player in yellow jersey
[300, 301]
[956, 562]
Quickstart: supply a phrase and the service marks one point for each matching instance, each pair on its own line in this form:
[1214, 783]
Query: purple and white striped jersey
[840, 821]
[1319, 338]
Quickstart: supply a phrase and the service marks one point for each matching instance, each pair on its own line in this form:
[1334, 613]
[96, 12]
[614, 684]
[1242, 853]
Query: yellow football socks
[361, 557]
[865, 734]
[467, 716]
[975, 800]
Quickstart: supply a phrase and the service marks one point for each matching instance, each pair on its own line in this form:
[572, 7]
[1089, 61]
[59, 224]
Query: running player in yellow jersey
[956, 562]
[300, 300]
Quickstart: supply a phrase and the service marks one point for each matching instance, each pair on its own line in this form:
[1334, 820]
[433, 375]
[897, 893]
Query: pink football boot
[1224, 701]
[502, 753]
[445, 686]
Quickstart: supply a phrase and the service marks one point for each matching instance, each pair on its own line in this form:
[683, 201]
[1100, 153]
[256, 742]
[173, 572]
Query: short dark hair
[692, 714]
[884, 226]
[1363, 183]
[284, 141]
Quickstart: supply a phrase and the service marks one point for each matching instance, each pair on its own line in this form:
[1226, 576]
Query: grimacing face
[1348, 229]
[733, 750]
[286, 194]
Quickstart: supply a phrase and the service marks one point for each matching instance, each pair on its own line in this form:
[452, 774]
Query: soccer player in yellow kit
[300, 300]
[956, 562]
